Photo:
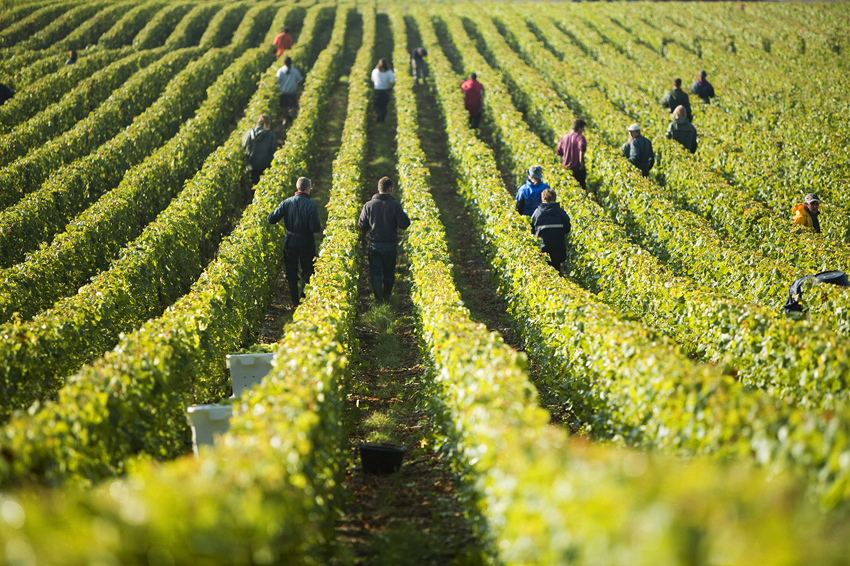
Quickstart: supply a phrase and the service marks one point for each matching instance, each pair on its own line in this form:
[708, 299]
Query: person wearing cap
[677, 97]
[551, 223]
[418, 68]
[682, 131]
[529, 196]
[806, 213]
[572, 149]
[383, 217]
[638, 150]
[703, 88]
[300, 216]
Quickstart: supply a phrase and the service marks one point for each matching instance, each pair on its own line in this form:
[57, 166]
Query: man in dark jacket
[703, 88]
[6, 93]
[259, 144]
[301, 218]
[638, 150]
[550, 223]
[677, 97]
[383, 216]
[418, 67]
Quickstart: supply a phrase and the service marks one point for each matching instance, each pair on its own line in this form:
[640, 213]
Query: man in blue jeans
[383, 216]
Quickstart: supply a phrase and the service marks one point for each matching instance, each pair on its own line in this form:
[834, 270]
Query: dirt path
[472, 272]
[412, 517]
[280, 309]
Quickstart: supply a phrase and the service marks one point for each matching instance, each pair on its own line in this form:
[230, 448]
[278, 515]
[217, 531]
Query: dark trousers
[292, 257]
[581, 176]
[474, 120]
[255, 176]
[381, 101]
[557, 259]
[382, 260]
[287, 103]
[421, 71]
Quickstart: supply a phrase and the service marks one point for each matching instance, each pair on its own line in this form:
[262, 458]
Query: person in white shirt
[383, 78]
[288, 78]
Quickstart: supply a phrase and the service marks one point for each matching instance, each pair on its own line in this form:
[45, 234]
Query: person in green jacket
[676, 97]
[681, 130]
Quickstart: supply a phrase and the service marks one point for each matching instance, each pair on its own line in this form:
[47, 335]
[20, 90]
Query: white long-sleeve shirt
[383, 80]
[287, 83]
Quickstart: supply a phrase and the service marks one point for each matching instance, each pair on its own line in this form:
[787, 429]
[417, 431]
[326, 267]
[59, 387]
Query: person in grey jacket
[638, 150]
[682, 131]
[383, 216]
[287, 78]
[300, 216]
[259, 144]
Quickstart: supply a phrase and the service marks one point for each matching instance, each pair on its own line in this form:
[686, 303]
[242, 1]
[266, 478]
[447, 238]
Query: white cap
[634, 128]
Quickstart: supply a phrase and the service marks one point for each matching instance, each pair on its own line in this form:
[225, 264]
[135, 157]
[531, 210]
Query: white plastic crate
[247, 370]
[207, 421]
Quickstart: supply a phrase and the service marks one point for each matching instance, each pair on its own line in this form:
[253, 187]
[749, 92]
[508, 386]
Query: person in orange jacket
[806, 213]
[282, 42]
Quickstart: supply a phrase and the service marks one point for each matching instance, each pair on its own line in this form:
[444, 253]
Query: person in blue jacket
[528, 197]
[551, 224]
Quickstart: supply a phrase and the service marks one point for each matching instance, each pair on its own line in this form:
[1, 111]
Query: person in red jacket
[573, 148]
[473, 97]
[282, 42]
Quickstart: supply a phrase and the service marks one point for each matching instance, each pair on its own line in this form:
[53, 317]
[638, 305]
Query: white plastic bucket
[247, 370]
[208, 421]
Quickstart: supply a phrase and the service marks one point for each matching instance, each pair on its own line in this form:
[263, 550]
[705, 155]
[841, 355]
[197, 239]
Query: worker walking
[551, 224]
[638, 150]
[806, 213]
[259, 144]
[287, 79]
[383, 78]
[682, 131]
[383, 217]
[300, 216]
[282, 42]
[572, 149]
[529, 196]
[703, 88]
[473, 99]
[418, 68]
[677, 97]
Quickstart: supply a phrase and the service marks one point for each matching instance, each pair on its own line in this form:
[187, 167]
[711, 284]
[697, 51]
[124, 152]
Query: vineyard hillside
[646, 363]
